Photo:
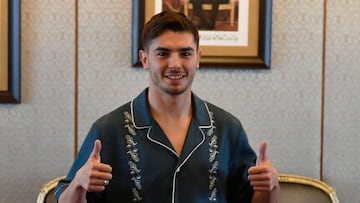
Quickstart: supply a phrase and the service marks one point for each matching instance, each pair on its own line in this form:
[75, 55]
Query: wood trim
[76, 79]
[322, 125]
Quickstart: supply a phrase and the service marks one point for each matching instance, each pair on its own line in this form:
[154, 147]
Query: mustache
[175, 71]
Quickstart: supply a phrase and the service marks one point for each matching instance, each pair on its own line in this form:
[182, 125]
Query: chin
[175, 91]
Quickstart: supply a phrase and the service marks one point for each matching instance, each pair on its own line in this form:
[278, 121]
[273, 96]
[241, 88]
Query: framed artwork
[233, 33]
[10, 51]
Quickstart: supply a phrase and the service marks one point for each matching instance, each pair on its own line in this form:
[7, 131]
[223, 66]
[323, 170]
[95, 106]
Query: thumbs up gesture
[94, 176]
[263, 177]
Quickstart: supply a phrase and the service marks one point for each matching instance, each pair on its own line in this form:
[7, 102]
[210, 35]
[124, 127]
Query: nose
[174, 61]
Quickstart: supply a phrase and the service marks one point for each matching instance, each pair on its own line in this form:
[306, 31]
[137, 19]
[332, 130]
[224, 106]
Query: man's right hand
[94, 176]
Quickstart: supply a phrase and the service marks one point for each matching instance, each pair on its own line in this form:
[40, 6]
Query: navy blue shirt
[212, 166]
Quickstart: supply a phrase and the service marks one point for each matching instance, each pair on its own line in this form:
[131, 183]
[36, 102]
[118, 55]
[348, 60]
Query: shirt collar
[142, 117]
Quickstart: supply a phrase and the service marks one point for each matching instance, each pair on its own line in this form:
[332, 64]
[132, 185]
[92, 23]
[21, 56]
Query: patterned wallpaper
[342, 110]
[36, 137]
[282, 105]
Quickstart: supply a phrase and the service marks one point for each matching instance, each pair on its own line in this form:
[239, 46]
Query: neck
[173, 114]
[174, 107]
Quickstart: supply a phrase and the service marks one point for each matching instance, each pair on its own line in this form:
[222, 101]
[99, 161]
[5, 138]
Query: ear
[199, 57]
[143, 59]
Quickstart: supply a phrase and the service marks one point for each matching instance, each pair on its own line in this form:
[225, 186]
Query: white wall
[282, 105]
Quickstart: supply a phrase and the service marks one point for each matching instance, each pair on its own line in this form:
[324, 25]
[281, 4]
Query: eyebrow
[181, 49]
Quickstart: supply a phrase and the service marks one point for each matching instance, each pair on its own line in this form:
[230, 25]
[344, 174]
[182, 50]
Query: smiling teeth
[174, 77]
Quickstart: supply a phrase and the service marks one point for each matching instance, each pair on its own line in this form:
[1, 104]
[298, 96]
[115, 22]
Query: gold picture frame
[3, 45]
[251, 51]
[10, 51]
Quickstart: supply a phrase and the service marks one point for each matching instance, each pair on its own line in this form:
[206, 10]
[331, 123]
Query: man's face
[172, 60]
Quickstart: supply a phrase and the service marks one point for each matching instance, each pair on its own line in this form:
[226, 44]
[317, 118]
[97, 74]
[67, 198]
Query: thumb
[262, 155]
[95, 155]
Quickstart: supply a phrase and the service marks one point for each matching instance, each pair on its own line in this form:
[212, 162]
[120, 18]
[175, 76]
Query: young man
[167, 145]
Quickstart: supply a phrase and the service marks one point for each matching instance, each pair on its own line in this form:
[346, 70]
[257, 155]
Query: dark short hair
[168, 20]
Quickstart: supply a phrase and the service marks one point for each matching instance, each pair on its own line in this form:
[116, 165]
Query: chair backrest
[46, 194]
[301, 189]
[294, 189]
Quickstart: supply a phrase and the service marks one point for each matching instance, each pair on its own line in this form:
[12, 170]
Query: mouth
[175, 77]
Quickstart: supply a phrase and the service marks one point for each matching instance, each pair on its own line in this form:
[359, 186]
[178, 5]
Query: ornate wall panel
[342, 109]
[36, 136]
[106, 78]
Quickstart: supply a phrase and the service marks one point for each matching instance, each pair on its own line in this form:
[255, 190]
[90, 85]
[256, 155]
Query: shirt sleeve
[80, 160]
[244, 157]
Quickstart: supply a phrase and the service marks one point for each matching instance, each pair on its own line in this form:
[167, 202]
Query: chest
[176, 133]
[145, 163]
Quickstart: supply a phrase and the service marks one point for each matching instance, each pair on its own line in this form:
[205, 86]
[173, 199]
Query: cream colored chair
[293, 189]
[301, 189]
[229, 6]
[46, 194]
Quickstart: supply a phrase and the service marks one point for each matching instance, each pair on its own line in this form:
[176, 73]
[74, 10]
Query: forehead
[171, 38]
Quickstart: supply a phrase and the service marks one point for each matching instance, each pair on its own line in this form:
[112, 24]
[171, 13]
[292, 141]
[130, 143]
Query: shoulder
[222, 116]
[113, 118]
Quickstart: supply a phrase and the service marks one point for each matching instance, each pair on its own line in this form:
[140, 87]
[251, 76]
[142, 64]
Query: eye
[186, 54]
[162, 54]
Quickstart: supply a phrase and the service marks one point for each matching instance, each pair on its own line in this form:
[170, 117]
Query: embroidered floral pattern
[213, 151]
[134, 157]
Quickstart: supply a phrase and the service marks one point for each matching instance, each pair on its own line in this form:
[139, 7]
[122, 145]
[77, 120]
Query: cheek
[156, 67]
[192, 64]
[158, 64]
